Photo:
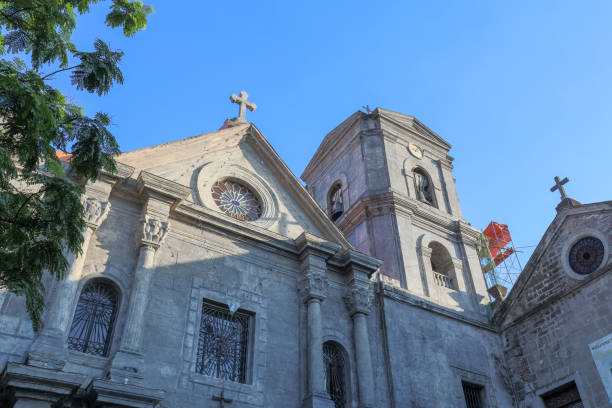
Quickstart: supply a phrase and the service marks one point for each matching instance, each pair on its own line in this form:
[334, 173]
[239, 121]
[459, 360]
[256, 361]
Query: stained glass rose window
[586, 255]
[236, 200]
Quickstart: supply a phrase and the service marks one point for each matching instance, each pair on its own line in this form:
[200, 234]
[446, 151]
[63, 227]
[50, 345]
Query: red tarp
[499, 236]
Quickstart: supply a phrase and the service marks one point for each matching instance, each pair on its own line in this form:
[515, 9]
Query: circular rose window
[236, 200]
[586, 255]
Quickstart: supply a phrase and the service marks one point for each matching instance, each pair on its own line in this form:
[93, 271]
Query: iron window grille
[223, 342]
[335, 369]
[473, 395]
[94, 318]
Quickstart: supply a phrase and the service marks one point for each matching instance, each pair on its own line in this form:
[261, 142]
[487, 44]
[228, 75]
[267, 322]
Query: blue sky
[521, 89]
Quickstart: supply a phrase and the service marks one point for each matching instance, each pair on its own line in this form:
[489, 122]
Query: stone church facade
[210, 277]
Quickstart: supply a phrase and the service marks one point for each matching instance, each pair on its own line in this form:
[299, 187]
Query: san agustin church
[211, 277]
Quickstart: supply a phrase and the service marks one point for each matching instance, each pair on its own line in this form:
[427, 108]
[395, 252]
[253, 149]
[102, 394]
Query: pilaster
[312, 287]
[159, 197]
[358, 300]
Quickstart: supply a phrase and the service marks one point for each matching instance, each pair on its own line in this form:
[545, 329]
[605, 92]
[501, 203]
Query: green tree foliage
[41, 213]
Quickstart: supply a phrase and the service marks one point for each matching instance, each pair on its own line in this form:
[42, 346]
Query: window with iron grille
[335, 373]
[223, 342]
[94, 318]
[473, 395]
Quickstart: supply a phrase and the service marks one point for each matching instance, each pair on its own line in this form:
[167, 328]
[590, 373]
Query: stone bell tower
[386, 181]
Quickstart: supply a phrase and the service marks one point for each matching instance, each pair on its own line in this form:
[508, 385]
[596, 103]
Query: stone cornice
[356, 261]
[152, 186]
[389, 202]
[404, 297]
[203, 216]
[308, 244]
[112, 393]
[123, 172]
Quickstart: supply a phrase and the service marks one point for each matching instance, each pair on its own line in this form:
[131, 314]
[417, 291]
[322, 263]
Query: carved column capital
[359, 300]
[313, 286]
[95, 211]
[154, 231]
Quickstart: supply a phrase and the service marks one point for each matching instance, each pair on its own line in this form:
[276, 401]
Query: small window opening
[566, 396]
[473, 395]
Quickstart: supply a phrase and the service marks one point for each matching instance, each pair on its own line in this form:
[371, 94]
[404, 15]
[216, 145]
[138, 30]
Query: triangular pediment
[240, 153]
[548, 275]
[411, 124]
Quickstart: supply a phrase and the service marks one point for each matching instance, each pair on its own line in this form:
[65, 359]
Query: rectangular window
[223, 342]
[473, 395]
[566, 396]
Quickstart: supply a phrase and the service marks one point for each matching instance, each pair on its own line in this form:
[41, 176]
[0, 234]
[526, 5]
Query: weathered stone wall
[432, 350]
[553, 320]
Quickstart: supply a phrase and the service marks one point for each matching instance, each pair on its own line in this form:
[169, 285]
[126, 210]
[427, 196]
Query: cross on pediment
[559, 186]
[221, 398]
[243, 104]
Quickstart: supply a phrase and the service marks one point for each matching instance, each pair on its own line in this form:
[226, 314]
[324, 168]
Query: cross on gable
[559, 186]
[241, 100]
[221, 398]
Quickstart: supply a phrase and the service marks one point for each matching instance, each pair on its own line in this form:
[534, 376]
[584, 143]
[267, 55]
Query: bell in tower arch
[336, 205]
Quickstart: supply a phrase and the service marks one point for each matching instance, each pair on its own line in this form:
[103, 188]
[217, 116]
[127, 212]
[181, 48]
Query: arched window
[335, 202]
[335, 373]
[442, 265]
[423, 187]
[94, 318]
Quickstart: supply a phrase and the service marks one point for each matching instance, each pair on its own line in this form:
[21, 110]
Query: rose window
[236, 200]
[586, 255]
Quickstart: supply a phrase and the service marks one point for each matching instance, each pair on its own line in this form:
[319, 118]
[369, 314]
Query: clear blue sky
[521, 89]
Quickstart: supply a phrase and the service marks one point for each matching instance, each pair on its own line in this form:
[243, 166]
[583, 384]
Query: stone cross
[221, 398]
[559, 186]
[241, 100]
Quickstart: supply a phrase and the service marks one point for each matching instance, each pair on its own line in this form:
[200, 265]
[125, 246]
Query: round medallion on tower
[586, 255]
[236, 200]
[415, 150]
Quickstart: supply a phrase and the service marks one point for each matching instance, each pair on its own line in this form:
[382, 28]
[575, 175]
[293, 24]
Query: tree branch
[60, 70]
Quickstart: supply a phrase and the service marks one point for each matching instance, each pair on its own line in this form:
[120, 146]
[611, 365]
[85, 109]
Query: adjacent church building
[211, 277]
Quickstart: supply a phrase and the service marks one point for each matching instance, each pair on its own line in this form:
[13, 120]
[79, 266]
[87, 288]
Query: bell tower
[386, 181]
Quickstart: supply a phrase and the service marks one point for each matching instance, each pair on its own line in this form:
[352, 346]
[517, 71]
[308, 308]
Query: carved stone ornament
[154, 231]
[359, 300]
[313, 285]
[95, 211]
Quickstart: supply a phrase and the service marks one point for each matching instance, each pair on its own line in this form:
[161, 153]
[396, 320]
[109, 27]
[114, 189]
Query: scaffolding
[498, 258]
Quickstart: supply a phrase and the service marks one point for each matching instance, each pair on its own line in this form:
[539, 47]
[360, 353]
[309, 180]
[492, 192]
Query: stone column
[128, 362]
[358, 300]
[425, 253]
[49, 349]
[313, 288]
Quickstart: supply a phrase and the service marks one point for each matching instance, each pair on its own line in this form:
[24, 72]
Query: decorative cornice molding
[95, 212]
[123, 172]
[308, 244]
[152, 186]
[154, 231]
